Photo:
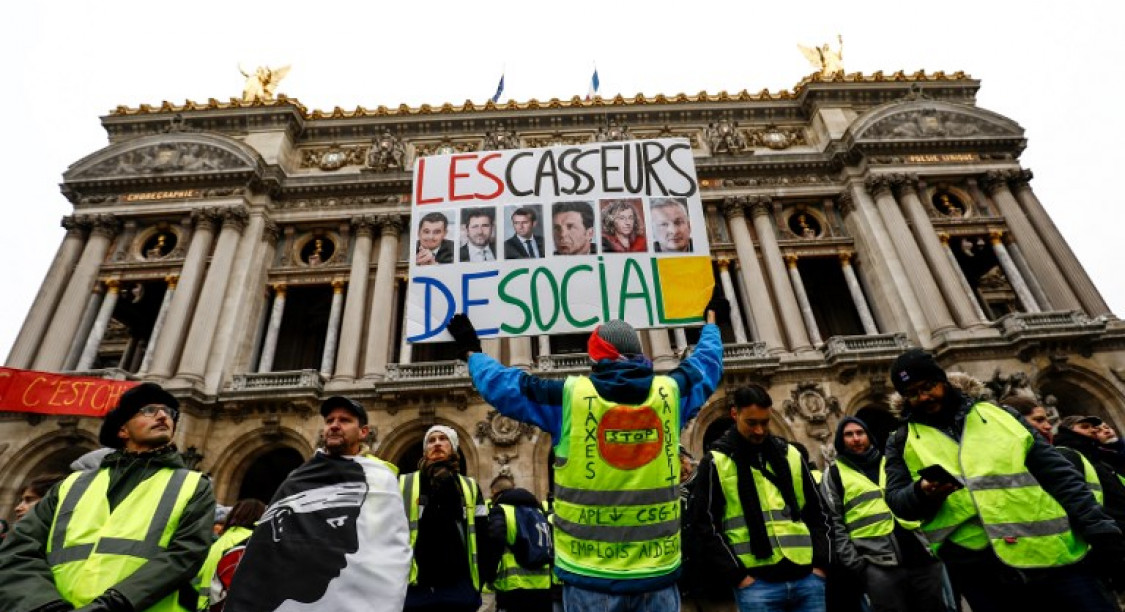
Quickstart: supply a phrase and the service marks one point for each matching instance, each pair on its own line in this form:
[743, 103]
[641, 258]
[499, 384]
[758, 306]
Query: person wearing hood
[518, 589]
[448, 518]
[1001, 507]
[889, 555]
[127, 536]
[758, 516]
[616, 435]
[1080, 434]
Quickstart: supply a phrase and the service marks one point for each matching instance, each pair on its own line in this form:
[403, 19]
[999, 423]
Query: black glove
[720, 306]
[465, 335]
[1107, 558]
[110, 601]
[55, 606]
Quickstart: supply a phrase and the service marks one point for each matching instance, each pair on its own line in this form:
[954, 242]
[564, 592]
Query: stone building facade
[251, 257]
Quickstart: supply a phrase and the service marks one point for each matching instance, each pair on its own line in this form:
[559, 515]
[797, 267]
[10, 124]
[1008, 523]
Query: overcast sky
[1053, 68]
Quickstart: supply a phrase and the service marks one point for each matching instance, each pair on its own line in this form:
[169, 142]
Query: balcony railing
[855, 347]
[1048, 324]
[107, 373]
[299, 379]
[427, 370]
[750, 351]
[570, 362]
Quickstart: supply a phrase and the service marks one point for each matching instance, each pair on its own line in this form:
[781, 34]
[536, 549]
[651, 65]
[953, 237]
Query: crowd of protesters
[969, 500]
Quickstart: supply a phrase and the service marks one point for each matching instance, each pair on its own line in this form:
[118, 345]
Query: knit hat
[914, 366]
[449, 433]
[613, 339]
[130, 402]
[221, 513]
[1074, 419]
[339, 401]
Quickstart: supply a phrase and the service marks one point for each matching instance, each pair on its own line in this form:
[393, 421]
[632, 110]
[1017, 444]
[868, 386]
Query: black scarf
[770, 459]
[867, 461]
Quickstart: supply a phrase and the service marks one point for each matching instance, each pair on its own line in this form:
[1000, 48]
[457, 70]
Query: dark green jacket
[27, 582]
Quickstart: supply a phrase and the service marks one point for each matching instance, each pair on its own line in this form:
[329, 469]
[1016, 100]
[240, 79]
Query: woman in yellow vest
[1010, 517]
[756, 514]
[236, 529]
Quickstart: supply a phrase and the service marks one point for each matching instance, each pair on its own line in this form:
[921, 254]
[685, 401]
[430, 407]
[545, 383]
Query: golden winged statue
[829, 62]
[262, 83]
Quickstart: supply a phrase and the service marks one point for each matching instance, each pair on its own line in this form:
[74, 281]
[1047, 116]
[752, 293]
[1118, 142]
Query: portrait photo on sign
[623, 226]
[434, 239]
[671, 225]
[478, 234]
[572, 228]
[524, 230]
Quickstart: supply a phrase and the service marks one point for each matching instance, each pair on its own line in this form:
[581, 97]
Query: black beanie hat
[913, 366]
[131, 401]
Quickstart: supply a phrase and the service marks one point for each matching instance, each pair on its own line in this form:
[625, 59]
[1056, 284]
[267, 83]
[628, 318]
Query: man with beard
[1080, 433]
[478, 224]
[889, 555]
[129, 535]
[758, 516]
[334, 537]
[1001, 507]
[446, 512]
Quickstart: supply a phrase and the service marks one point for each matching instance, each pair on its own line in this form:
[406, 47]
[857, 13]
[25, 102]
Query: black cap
[339, 401]
[914, 366]
[130, 402]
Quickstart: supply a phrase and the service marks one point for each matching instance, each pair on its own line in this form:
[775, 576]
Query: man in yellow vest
[1079, 434]
[1011, 518]
[448, 519]
[125, 537]
[758, 516]
[617, 472]
[890, 557]
[518, 588]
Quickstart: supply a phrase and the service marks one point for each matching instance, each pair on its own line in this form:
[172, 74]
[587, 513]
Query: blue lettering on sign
[431, 284]
[467, 302]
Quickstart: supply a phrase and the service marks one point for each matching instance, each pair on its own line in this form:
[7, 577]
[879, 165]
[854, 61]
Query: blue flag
[499, 90]
[594, 84]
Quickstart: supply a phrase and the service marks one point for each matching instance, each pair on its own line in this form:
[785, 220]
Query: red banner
[48, 393]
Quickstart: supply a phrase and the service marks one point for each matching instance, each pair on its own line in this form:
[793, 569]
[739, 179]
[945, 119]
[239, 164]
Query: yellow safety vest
[789, 539]
[90, 548]
[865, 509]
[232, 537]
[410, 486]
[617, 475]
[511, 575]
[1002, 505]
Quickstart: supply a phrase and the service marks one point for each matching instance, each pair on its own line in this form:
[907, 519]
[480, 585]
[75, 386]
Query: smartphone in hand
[937, 473]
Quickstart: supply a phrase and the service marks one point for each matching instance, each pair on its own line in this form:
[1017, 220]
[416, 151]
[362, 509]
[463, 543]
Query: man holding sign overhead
[617, 434]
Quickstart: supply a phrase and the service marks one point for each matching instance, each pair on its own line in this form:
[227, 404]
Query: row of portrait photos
[566, 228]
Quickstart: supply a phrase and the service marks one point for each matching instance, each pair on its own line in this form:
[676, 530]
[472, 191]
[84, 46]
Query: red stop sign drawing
[630, 437]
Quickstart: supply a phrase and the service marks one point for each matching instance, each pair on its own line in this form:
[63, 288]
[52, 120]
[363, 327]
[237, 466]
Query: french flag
[594, 84]
[499, 90]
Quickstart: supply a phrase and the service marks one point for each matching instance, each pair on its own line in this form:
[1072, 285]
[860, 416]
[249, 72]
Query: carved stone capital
[338, 285]
[996, 236]
[271, 231]
[995, 181]
[724, 264]
[846, 203]
[878, 185]
[364, 225]
[906, 183]
[845, 257]
[279, 289]
[74, 226]
[235, 217]
[391, 225]
[105, 225]
[207, 218]
[791, 260]
[1022, 180]
[734, 207]
[943, 238]
[760, 205]
[172, 280]
[112, 285]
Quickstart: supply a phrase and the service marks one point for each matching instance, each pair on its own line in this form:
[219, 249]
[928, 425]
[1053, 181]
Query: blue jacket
[538, 401]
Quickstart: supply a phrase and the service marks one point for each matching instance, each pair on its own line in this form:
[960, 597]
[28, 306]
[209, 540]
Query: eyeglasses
[153, 409]
[917, 392]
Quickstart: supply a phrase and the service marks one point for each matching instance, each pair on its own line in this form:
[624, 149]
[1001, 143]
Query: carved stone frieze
[724, 138]
[766, 181]
[333, 202]
[387, 153]
[613, 132]
[332, 157]
[166, 158]
[445, 146]
[501, 430]
[557, 139]
[777, 137]
[499, 139]
[932, 123]
[666, 131]
[808, 403]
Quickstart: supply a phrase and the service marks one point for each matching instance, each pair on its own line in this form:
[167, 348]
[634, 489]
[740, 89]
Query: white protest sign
[558, 240]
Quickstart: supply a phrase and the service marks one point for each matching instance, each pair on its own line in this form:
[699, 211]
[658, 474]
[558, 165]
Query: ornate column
[520, 349]
[920, 276]
[406, 349]
[761, 209]
[856, 292]
[84, 326]
[269, 345]
[661, 348]
[751, 330]
[329, 354]
[347, 358]
[167, 351]
[996, 237]
[382, 298]
[544, 346]
[951, 288]
[1029, 278]
[762, 315]
[732, 297]
[803, 299]
[1039, 260]
[63, 327]
[43, 308]
[94, 340]
[197, 348]
[680, 336]
[943, 238]
[1059, 248]
[158, 327]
